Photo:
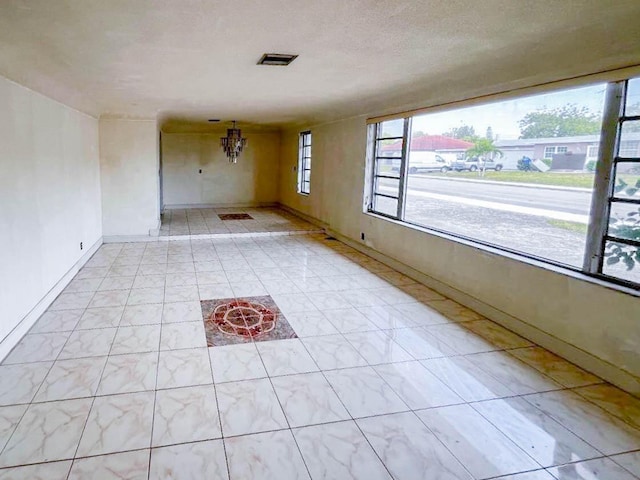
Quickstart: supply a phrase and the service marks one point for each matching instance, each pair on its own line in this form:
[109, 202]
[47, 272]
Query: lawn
[584, 180]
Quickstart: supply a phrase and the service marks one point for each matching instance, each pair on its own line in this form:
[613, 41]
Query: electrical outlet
[80, 245]
[362, 236]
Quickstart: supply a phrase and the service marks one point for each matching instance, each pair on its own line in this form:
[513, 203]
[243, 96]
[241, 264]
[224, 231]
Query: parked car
[474, 164]
[422, 161]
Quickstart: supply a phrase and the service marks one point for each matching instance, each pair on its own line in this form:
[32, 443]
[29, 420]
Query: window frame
[597, 231]
[304, 162]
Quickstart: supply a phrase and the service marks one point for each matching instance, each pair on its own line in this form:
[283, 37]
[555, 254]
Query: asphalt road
[559, 200]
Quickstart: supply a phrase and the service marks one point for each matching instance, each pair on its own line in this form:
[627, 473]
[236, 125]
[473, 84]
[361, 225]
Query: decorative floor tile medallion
[229, 321]
[235, 216]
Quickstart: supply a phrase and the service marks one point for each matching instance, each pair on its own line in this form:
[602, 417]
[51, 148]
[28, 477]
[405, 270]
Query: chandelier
[233, 143]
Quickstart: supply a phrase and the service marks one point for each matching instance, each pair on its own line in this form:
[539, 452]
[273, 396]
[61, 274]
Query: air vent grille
[278, 59]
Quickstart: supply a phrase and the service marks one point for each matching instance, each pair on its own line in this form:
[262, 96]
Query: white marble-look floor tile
[333, 351]
[71, 301]
[182, 312]
[231, 363]
[548, 442]
[339, 450]
[83, 285]
[597, 469]
[89, 343]
[103, 317]
[116, 466]
[265, 456]
[118, 423]
[605, 432]
[630, 461]
[418, 343]
[417, 386]
[9, 418]
[286, 357]
[409, 449]
[110, 298]
[38, 347]
[387, 317]
[558, 369]
[42, 471]
[311, 324]
[364, 392]
[615, 401]
[469, 436]
[211, 277]
[148, 281]
[184, 368]
[460, 339]
[142, 314]
[421, 314]
[516, 375]
[47, 432]
[533, 475]
[143, 296]
[248, 407]
[377, 347]
[116, 283]
[185, 293]
[134, 372]
[182, 335]
[466, 379]
[347, 320]
[60, 321]
[215, 291]
[138, 339]
[187, 414]
[308, 399]
[75, 378]
[19, 383]
[180, 279]
[189, 461]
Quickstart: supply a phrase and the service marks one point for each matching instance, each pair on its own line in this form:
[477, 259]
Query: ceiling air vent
[279, 59]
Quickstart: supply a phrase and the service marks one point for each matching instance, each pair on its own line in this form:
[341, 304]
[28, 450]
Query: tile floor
[386, 378]
[203, 221]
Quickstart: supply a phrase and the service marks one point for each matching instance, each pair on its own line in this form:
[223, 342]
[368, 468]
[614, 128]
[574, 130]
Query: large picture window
[304, 163]
[519, 174]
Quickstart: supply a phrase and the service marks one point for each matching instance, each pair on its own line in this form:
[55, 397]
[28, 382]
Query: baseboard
[304, 216]
[188, 206]
[605, 370]
[11, 340]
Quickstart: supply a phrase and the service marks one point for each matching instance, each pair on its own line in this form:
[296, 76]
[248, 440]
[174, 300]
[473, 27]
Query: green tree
[463, 132]
[559, 122]
[484, 149]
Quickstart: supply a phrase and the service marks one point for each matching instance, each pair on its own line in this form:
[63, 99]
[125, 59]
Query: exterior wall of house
[50, 197]
[196, 171]
[589, 323]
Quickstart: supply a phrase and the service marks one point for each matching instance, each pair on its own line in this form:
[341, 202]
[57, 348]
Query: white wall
[129, 174]
[588, 323]
[49, 196]
[251, 181]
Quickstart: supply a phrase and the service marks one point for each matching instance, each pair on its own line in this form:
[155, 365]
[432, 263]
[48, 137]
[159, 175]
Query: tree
[559, 122]
[484, 149]
[463, 132]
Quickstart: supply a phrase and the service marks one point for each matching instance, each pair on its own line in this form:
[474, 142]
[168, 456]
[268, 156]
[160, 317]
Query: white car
[421, 161]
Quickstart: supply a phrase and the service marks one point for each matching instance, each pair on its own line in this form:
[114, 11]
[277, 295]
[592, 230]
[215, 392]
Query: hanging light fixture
[233, 143]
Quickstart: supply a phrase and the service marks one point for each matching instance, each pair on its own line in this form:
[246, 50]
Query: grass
[571, 226]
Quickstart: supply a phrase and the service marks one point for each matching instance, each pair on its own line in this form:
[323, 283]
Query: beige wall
[588, 323]
[251, 181]
[129, 167]
[49, 199]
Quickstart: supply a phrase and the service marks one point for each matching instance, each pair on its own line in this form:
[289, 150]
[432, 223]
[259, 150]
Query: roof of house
[431, 143]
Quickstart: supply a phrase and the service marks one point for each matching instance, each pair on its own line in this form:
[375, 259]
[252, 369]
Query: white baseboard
[608, 371]
[11, 340]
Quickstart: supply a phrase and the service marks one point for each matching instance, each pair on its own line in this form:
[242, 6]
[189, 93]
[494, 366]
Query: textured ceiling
[188, 60]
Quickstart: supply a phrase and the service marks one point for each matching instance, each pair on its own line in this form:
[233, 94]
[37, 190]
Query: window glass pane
[388, 186]
[630, 139]
[388, 206]
[622, 261]
[391, 128]
[484, 172]
[306, 152]
[307, 176]
[633, 98]
[388, 166]
[627, 180]
[624, 221]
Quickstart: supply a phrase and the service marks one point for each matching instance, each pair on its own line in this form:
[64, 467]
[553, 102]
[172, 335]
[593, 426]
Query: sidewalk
[511, 184]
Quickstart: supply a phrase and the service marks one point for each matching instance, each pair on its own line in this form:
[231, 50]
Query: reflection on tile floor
[228, 321]
[218, 221]
[387, 379]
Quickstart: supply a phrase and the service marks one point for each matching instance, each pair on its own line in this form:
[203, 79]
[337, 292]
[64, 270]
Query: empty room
[319, 240]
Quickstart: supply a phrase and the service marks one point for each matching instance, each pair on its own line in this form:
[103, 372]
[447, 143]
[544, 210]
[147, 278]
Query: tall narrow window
[622, 238]
[304, 163]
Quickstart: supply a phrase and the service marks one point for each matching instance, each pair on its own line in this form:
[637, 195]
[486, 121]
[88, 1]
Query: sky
[503, 116]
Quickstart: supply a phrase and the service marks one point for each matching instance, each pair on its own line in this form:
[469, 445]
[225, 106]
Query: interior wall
[129, 175]
[49, 193]
[196, 171]
[572, 314]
